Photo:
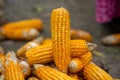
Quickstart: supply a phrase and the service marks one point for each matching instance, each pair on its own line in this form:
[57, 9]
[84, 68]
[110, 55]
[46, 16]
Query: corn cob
[32, 23]
[25, 68]
[25, 34]
[47, 41]
[44, 54]
[111, 39]
[80, 34]
[12, 68]
[47, 73]
[40, 54]
[77, 64]
[77, 46]
[32, 78]
[93, 72]
[60, 28]
[74, 76]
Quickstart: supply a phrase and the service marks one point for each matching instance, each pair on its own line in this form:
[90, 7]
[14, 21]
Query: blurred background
[83, 14]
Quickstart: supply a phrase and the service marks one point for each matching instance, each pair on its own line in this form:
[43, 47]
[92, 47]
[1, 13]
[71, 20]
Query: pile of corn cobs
[58, 58]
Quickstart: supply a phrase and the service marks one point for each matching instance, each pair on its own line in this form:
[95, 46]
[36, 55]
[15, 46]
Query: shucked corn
[12, 68]
[60, 28]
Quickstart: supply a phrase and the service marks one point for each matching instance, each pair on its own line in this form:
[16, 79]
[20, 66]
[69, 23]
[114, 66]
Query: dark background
[82, 17]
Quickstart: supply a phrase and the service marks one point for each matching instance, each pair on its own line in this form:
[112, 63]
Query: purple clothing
[106, 10]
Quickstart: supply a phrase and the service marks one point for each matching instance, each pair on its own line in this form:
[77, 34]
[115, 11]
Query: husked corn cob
[81, 47]
[40, 54]
[25, 68]
[32, 23]
[12, 68]
[77, 64]
[47, 41]
[32, 78]
[48, 73]
[44, 53]
[25, 34]
[113, 39]
[74, 76]
[93, 72]
[60, 28]
[80, 34]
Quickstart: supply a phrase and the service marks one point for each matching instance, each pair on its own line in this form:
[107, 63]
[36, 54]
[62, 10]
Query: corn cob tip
[31, 34]
[72, 64]
[38, 65]
[32, 44]
[38, 39]
[108, 40]
[11, 56]
[91, 46]
[25, 68]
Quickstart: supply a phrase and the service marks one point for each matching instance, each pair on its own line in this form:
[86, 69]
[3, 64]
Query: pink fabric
[106, 10]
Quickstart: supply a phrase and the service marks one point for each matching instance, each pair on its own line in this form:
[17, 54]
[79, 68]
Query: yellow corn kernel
[24, 34]
[60, 28]
[74, 76]
[44, 54]
[40, 54]
[47, 41]
[25, 68]
[32, 23]
[93, 72]
[77, 64]
[80, 34]
[32, 78]
[12, 68]
[48, 73]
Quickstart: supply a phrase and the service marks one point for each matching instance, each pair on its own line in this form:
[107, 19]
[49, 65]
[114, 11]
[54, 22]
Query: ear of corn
[32, 78]
[12, 68]
[80, 34]
[2, 72]
[24, 34]
[40, 54]
[47, 73]
[77, 64]
[32, 23]
[27, 46]
[25, 68]
[111, 39]
[44, 53]
[60, 28]
[93, 72]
